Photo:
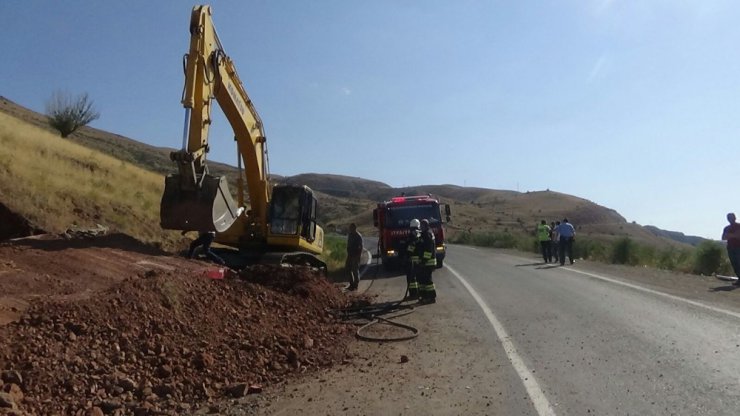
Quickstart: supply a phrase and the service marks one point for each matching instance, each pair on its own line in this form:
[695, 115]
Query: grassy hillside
[476, 210]
[152, 158]
[56, 184]
[345, 199]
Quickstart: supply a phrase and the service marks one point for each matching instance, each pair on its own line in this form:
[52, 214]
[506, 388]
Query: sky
[630, 104]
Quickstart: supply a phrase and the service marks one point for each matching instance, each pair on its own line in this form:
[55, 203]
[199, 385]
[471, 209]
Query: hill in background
[345, 199]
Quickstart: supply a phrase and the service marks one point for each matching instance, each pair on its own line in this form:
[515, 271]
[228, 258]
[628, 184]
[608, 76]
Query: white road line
[658, 293]
[541, 404]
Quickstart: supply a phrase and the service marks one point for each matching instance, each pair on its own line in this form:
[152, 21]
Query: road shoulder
[455, 366]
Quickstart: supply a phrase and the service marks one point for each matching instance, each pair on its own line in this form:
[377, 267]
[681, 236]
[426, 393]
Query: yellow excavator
[279, 225]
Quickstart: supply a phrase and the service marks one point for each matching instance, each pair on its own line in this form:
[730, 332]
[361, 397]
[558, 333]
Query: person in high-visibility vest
[543, 235]
[427, 264]
[412, 260]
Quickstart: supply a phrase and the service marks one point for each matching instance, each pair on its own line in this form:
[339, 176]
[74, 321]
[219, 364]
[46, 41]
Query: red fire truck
[392, 220]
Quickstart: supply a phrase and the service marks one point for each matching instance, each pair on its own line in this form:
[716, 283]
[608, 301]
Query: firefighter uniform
[426, 250]
[412, 260]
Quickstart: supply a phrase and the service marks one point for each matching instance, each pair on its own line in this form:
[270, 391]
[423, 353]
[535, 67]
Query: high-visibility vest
[543, 232]
[411, 252]
[428, 256]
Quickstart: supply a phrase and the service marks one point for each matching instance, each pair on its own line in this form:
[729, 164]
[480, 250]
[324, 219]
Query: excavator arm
[210, 74]
[283, 217]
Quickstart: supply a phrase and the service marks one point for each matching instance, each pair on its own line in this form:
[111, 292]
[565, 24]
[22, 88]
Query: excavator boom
[282, 218]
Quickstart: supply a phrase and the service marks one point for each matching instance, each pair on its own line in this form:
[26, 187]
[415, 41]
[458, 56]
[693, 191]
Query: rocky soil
[161, 340]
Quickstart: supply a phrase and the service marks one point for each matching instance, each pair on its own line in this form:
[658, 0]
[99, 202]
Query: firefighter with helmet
[412, 259]
[426, 250]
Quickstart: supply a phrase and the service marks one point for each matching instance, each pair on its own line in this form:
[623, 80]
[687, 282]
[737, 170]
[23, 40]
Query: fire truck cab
[392, 219]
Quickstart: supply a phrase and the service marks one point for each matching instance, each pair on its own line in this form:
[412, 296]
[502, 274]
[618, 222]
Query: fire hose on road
[367, 316]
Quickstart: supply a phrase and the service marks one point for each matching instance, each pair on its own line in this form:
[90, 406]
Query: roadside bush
[647, 255]
[584, 248]
[335, 251]
[495, 240]
[708, 258]
[528, 244]
[624, 251]
[725, 267]
[667, 259]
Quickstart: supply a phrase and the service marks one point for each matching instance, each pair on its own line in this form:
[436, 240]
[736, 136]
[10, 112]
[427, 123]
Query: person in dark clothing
[412, 259]
[567, 235]
[205, 239]
[427, 263]
[354, 252]
[731, 234]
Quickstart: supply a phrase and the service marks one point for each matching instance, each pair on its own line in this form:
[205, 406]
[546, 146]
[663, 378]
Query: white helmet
[414, 223]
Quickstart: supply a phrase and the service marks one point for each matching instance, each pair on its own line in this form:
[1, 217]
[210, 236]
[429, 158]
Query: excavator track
[238, 260]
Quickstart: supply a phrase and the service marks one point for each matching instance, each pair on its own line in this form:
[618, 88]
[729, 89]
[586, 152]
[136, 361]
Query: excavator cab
[293, 212]
[207, 206]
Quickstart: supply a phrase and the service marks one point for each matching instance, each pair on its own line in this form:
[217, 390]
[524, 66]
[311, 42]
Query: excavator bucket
[209, 208]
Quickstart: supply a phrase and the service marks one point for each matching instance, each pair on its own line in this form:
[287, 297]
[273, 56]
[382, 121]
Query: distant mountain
[675, 235]
[345, 199]
[340, 185]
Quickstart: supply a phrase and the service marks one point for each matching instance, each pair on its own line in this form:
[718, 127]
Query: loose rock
[160, 344]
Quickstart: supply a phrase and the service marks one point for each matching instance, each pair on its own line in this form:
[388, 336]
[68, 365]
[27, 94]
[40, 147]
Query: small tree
[67, 114]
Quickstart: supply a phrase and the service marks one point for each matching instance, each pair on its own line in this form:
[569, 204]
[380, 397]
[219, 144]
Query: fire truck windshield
[400, 216]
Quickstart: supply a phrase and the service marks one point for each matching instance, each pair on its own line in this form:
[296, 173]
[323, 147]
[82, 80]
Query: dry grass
[56, 184]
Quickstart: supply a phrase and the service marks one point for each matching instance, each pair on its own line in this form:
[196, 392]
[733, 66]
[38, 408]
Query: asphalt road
[512, 336]
[582, 345]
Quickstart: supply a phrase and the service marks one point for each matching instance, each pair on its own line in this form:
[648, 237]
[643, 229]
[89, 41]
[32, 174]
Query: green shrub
[529, 244]
[624, 251]
[496, 240]
[708, 258]
[667, 259]
[335, 251]
[584, 248]
[646, 255]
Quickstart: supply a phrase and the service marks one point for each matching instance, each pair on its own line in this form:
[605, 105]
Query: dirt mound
[170, 341]
[68, 269]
